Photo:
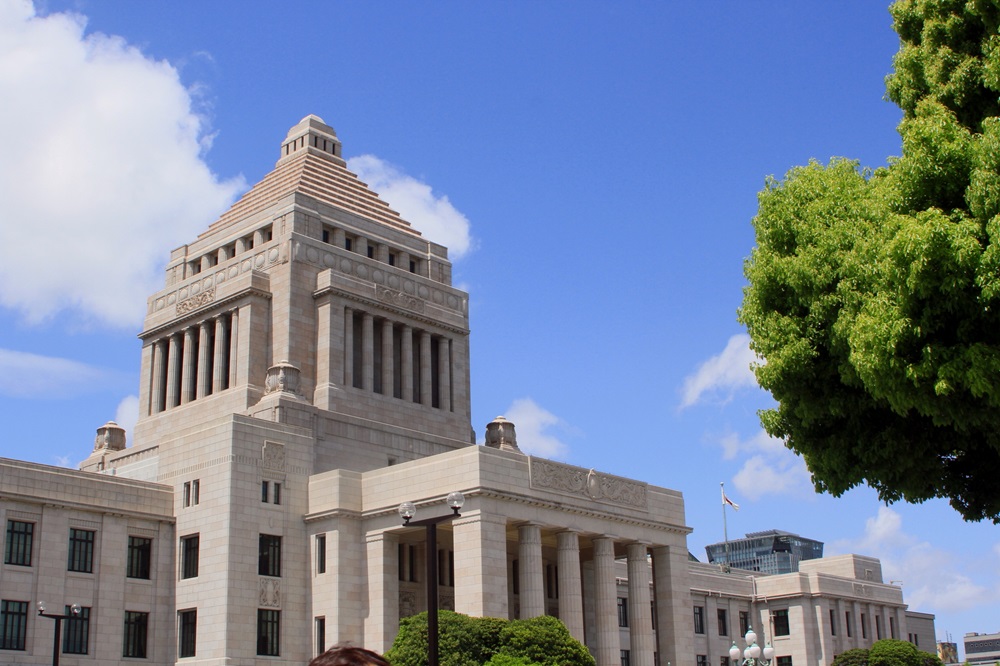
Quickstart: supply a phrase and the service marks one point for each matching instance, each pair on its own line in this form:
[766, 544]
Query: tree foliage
[475, 641]
[874, 295]
[854, 657]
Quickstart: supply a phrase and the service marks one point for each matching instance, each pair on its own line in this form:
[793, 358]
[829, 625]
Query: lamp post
[752, 654]
[406, 511]
[74, 612]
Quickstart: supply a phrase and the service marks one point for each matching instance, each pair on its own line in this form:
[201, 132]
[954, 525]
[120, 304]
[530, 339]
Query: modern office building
[771, 551]
[982, 648]
[305, 370]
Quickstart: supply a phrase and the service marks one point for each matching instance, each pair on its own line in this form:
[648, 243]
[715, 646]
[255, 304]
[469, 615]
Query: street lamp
[406, 511]
[752, 654]
[74, 612]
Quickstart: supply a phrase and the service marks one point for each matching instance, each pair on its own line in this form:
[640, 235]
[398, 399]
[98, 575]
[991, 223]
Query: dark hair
[345, 655]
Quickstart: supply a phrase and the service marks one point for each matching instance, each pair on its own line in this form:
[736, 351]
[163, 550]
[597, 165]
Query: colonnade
[394, 359]
[194, 362]
[587, 590]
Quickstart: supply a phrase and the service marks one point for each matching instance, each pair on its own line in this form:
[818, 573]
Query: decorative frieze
[399, 299]
[195, 302]
[550, 475]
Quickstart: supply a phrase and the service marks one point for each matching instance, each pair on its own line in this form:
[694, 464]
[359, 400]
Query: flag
[726, 500]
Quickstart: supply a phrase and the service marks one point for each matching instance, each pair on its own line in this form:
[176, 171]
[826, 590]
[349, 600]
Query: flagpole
[725, 528]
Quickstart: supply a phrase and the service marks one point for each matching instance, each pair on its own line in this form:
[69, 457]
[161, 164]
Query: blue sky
[593, 167]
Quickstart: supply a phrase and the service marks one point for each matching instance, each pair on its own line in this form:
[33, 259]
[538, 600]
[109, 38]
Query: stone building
[305, 370]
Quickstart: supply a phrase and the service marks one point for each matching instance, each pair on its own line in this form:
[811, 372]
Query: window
[189, 556]
[699, 619]
[652, 612]
[192, 490]
[848, 625]
[833, 622]
[392, 258]
[552, 581]
[864, 626]
[269, 555]
[76, 631]
[725, 661]
[265, 490]
[140, 551]
[136, 630]
[320, 553]
[81, 551]
[723, 622]
[371, 252]
[320, 635]
[892, 627]
[515, 576]
[622, 612]
[744, 622]
[268, 632]
[18, 546]
[13, 624]
[187, 632]
[701, 660]
[348, 245]
[878, 628]
[780, 618]
[277, 493]
[626, 657]
[784, 661]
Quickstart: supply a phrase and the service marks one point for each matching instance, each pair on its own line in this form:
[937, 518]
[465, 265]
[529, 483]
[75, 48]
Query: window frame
[19, 545]
[135, 637]
[699, 620]
[80, 558]
[13, 624]
[781, 623]
[190, 555]
[269, 555]
[76, 631]
[140, 558]
[622, 611]
[320, 554]
[187, 633]
[723, 618]
[268, 632]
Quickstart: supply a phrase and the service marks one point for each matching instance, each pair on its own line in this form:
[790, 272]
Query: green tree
[855, 657]
[891, 652]
[474, 641]
[545, 641]
[874, 295]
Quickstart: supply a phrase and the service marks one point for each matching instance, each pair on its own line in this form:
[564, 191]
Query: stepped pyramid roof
[311, 164]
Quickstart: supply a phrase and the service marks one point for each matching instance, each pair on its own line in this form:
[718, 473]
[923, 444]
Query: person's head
[345, 655]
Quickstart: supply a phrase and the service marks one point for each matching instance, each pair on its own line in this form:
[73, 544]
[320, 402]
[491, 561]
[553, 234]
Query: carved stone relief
[270, 593]
[273, 455]
[587, 483]
[195, 302]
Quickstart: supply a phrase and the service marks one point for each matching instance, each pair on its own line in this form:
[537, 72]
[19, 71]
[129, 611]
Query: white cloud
[127, 414]
[100, 170]
[932, 577]
[532, 424]
[35, 376]
[723, 374]
[430, 214]
[776, 474]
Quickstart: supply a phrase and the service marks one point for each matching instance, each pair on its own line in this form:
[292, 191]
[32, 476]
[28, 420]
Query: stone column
[241, 245]
[382, 621]
[406, 360]
[403, 261]
[673, 605]
[570, 583]
[157, 403]
[218, 372]
[173, 371]
[258, 238]
[339, 238]
[188, 376]
[234, 346]
[348, 347]
[444, 373]
[367, 352]
[608, 651]
[426, 399]
[640, 621]
[388, 367]
[529, 552]
[480, 542]
[204, 370]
